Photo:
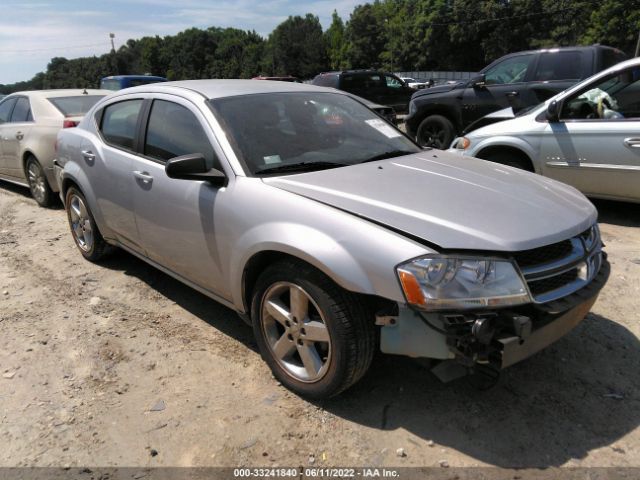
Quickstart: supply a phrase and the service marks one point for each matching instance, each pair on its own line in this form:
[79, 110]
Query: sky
[34, 31]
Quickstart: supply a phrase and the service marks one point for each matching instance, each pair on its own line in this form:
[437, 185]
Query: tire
[510, 160]
[435, 131]
[84, 230]
[323, 353]
[38, 184]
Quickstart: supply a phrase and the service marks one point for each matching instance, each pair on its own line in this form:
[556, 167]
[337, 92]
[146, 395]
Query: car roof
[227, 88]
[63, 92]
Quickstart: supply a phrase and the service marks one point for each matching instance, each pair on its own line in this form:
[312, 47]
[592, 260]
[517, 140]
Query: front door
[175, 217]
[504, 87]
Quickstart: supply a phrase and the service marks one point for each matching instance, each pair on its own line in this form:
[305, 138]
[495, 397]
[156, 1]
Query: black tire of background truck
[435, 131]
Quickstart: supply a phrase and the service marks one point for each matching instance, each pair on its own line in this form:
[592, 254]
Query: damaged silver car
[328, 230]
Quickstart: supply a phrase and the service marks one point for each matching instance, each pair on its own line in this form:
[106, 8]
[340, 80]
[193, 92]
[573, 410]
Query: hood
[451, 201]
[438, 89]
[495, 117]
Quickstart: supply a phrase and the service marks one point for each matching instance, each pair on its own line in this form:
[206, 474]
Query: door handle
[88, 155]
[19, 135]
[512, 94]
[632, 142]
[144, 177]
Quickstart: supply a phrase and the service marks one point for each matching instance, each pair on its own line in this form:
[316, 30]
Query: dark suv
[375, 86]
[518, 80]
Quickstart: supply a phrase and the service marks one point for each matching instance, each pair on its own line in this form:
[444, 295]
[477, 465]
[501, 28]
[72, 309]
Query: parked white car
[414, 83]
[29, 124]
[587, 136]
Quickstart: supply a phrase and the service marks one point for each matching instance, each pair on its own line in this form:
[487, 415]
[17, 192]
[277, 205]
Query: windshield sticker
[271, 159]
[384, 128]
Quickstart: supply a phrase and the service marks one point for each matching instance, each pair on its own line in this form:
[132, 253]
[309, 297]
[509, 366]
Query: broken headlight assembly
[442, 282]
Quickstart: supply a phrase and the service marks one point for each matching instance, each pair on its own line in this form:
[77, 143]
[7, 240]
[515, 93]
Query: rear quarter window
[119, 122]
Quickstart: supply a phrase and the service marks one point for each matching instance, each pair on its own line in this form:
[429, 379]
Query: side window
[612, 98]
[559, 66]
[173, 130]
[393, 82]
[119, 121]
[5, 109]
[511, 70]
[22, 111]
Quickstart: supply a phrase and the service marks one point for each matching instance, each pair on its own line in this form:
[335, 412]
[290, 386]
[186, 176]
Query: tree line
[395, 35]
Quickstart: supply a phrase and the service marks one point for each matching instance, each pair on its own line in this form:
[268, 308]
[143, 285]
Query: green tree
[336, 43]
[297, 47]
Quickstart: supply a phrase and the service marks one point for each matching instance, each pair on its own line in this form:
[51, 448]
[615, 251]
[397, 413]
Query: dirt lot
[119, 364]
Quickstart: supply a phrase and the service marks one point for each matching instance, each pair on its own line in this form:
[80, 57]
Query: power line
[55, 48]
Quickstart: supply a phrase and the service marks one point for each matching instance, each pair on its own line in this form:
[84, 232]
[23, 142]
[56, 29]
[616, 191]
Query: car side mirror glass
[193, 167]
[478, 82]
[553, 111]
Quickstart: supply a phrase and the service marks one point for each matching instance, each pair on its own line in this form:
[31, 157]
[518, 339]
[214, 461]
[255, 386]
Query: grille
[553, 271]
[542, 255]
[549, 284]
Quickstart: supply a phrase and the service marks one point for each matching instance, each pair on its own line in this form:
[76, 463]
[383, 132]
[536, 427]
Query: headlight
[412, 108]
[438, 282]
[462, 143]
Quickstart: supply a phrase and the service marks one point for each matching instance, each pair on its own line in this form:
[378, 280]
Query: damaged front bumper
[497, 338]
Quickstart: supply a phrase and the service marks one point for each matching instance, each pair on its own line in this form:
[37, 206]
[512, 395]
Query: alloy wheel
[37, 181]
[80, 223]
[296, 332]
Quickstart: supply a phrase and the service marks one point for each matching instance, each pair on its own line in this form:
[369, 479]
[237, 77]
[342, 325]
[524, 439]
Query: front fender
[355, 269]
[507, 142]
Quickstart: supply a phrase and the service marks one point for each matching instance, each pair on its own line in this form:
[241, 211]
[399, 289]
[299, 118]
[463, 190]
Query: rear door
[6, 108]
[109, 163]
[596, 144]
[557, 70]
[16, 132]
[175, 217]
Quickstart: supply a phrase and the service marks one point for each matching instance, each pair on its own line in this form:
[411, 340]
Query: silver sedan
[327, 229]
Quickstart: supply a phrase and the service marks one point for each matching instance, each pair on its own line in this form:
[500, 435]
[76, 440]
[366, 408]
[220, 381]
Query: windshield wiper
[300, 167]
[385, 155]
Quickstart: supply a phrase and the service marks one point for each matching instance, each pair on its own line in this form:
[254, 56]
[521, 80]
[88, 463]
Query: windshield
[273, 133]
[75, 106]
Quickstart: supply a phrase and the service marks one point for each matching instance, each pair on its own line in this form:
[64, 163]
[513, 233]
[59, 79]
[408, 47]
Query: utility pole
[638, 45]
[113, 47]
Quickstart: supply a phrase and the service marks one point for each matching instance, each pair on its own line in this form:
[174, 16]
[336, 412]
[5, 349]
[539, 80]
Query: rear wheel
[38, 184]
[317, 338]
[84, 230]
[435, 131]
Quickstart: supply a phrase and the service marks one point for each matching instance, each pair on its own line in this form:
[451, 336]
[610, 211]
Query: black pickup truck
[518, 80]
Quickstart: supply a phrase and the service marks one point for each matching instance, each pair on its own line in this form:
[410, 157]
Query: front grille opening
[538, 287]
[542, 255]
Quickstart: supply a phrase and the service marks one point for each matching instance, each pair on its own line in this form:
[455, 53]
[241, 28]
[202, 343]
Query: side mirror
[553, 111]
[478, 82]
[194, 167]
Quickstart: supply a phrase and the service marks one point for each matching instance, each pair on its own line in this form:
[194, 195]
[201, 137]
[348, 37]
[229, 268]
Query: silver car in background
[328, 230]
[587, 136]
[29, 124]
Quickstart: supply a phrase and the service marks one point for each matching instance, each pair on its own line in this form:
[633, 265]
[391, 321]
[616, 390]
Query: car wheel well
[66, 184]
[512, 152]
[25, 157]
[261, 260]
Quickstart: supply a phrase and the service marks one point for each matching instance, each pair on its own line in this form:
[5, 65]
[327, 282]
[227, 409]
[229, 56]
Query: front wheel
[435, 131]
[317, 338]
[38, 184]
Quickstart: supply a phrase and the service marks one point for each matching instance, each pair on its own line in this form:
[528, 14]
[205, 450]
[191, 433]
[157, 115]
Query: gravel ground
[120, 365]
